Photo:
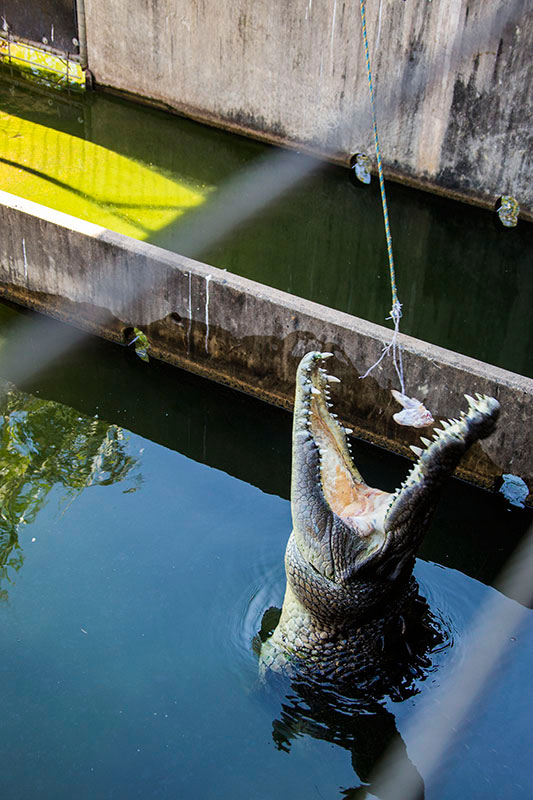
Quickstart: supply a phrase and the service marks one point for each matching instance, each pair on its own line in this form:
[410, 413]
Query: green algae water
[143, 522]
[464, 280]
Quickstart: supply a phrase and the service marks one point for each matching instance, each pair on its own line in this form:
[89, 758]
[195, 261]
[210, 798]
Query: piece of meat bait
[414, 413]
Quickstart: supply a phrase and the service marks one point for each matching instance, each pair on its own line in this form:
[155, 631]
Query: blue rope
[378, 156]
[396, 310]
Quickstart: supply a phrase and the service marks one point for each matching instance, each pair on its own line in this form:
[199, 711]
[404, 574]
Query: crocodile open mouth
[349, 497]
[372, 515]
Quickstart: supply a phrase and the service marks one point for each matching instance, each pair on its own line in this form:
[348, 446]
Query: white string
[394, 346]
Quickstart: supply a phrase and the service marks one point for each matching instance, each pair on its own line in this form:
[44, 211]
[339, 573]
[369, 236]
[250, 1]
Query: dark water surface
[139, 549]
[464, 280]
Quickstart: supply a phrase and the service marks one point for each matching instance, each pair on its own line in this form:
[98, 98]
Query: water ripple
[453, 599]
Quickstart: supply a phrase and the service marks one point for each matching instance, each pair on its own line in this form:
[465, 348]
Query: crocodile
[351, 600]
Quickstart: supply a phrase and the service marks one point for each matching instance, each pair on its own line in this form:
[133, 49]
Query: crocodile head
[353, 546]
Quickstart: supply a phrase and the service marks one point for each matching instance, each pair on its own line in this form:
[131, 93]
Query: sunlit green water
[142, 529]
[464, 280]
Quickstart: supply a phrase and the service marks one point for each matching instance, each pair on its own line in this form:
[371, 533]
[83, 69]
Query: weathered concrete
[246, 335]
[452, 79]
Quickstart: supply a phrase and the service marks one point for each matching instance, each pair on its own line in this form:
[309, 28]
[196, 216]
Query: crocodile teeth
[425, 441]
[326, 355]
[348, 430]
[333, 378]
[470, 400]
[314, 390]
[416, 450]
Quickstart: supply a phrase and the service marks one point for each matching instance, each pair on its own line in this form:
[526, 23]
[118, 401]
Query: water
[464, 280]
[139, 550]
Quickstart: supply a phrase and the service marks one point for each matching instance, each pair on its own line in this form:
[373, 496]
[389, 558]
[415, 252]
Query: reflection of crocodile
[350, 596]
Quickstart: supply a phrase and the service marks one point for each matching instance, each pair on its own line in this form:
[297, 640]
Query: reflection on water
[127, 664]
[45, 445]
[358, 719]
[365, 730]
[464, 280]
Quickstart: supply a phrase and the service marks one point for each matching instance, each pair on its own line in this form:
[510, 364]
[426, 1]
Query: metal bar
[61, 57]
[14, 59]
[82, 32]
[39, 46]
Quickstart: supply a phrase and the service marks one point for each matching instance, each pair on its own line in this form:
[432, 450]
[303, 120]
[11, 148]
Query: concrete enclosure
[452, 80]
[244, 334]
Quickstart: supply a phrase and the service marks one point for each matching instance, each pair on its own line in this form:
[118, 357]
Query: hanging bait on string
[414, 413]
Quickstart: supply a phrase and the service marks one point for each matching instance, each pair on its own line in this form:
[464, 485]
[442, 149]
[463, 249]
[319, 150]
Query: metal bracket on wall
[45, 40]
[47, 66]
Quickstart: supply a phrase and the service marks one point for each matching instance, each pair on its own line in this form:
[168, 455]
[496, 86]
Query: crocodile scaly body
[351, 599]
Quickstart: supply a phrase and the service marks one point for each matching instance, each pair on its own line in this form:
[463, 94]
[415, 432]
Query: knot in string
[392, 347]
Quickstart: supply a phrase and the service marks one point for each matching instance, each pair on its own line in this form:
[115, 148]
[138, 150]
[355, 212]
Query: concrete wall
[244, 334]
[452, 79]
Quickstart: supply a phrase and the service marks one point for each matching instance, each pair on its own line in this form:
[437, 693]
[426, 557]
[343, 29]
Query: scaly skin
[349, 560]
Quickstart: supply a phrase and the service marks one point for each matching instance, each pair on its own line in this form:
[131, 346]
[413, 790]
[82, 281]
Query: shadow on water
[463, 279]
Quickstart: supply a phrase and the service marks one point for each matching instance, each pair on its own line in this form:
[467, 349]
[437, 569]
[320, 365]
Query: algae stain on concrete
[89, 181]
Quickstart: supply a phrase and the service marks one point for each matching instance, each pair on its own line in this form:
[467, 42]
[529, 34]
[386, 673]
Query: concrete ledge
[247, 335]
